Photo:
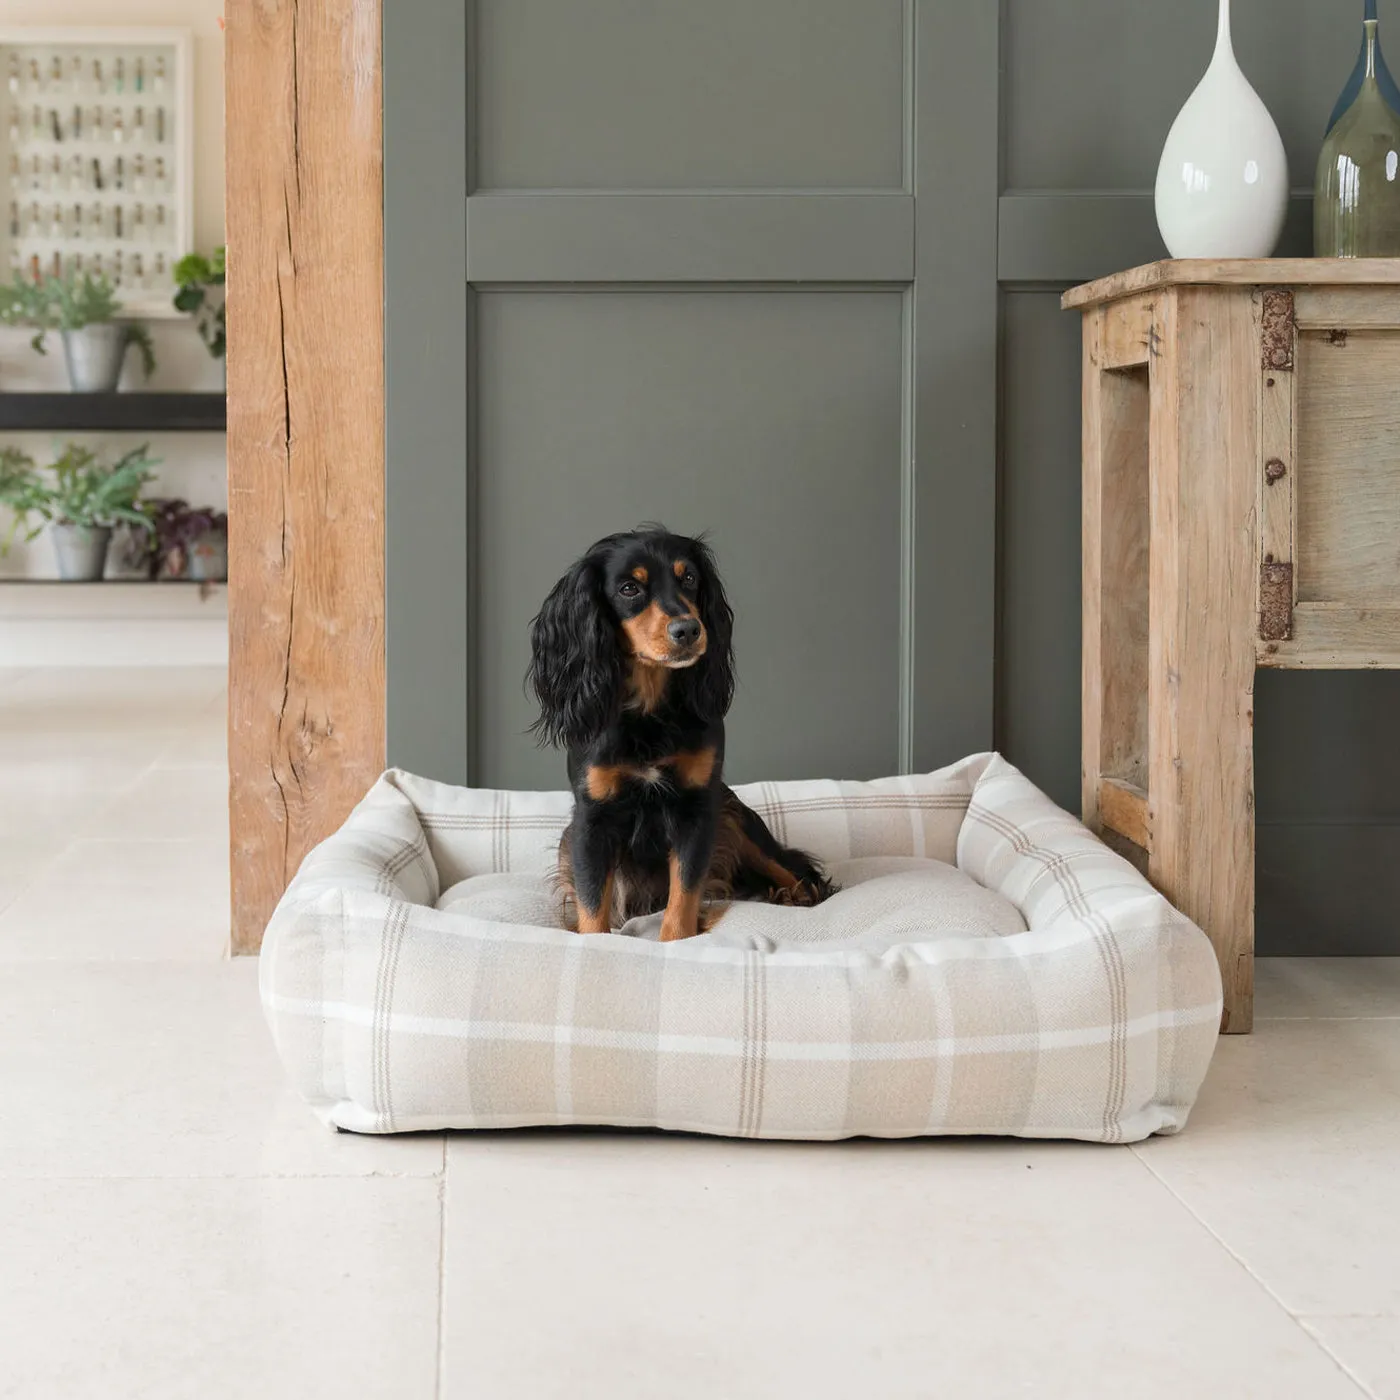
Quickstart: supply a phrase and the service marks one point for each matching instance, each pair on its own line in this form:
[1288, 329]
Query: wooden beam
[1337, 636]
[1236, 272]
[305, 432]
[1277, 468]
[1123, 808]
[1127, 333]
[1205, 444]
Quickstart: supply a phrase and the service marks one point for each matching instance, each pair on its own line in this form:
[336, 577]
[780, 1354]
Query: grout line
[1289, 1020]
[1249, 1273]
[1341, 1365]
[442, 1275]
[223, 1176]
[1384, 1316]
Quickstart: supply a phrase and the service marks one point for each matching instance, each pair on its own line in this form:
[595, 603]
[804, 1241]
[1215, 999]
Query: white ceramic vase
[1222, 186]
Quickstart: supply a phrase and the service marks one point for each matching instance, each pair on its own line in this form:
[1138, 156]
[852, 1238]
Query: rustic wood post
[305, 432]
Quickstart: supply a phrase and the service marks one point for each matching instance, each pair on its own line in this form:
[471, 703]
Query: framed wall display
[97, 156]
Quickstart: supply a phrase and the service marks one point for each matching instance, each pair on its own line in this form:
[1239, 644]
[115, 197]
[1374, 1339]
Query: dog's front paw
[710, 915]
[804, 894]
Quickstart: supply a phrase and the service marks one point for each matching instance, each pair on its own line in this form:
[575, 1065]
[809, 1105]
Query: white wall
[193, 464]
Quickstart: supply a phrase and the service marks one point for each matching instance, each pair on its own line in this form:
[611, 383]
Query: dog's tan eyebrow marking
[640, 573]
[680, 566]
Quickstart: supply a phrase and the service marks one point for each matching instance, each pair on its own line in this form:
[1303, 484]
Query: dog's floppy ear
[712, 678]
[575, 660]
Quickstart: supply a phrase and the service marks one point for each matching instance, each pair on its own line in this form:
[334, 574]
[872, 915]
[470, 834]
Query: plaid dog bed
[391, 1015]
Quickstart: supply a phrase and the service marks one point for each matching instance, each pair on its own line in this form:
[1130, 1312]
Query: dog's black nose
[684, 631]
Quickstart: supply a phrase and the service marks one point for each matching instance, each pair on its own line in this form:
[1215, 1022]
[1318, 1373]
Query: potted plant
[83, 308]
[200, 281]
[184, 541]
[80, 498]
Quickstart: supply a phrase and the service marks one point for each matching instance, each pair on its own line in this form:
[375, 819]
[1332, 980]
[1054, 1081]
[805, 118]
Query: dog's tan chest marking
[604, 781]
[646, 686]
[693, 770]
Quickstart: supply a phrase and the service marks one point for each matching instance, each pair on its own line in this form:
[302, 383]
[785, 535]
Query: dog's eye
[628, 589]
[689, 581]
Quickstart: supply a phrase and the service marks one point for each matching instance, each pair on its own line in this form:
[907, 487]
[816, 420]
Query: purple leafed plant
[176, 527]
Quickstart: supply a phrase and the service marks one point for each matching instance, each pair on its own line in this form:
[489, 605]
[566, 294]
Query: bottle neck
[1370, 10]
[1223, 46]
[1371, 28]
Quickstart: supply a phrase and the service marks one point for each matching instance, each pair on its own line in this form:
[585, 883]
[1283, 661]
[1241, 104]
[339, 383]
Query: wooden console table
[1241, 509]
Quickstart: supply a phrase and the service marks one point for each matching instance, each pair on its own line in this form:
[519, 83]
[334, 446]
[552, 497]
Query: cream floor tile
[52, 920]
[1292, 1156]
[1306, 987]
[152, 1290]
[154, 1069]
[198, 866]
[60, 795]
[93, 715]
[581, 1265]
[170, 804]
[1368, 1348]
[50, 716]
[115, 684]
[23, 860]
[202, 744]
[29, 753]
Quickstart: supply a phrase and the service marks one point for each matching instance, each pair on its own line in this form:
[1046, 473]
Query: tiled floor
[174, 1223]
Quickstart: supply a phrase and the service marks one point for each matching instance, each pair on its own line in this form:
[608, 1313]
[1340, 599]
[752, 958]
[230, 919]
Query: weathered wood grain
[1205, 438]
[1127, 333]
[1348, 480]
[1275, 475]
[1334, 637]
[1091, 555]
[1347, 308]
[1125, 550]
[1123, 807]
[305, 432]
[1115, 562]
[1236, 272]
[1273, 442]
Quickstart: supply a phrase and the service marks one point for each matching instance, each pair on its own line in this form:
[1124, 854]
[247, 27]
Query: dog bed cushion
[881, 900]
[988, 967]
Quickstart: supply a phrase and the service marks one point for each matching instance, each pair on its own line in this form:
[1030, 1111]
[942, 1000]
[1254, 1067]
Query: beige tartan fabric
[390, 1015]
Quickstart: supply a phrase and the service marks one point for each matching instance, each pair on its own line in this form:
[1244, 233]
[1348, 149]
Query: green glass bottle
[1356, 205]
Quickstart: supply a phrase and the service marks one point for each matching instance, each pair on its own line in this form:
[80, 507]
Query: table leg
[1202, 623]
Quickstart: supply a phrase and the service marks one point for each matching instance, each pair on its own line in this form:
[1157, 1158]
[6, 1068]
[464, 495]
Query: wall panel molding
[771, 236]
[428, 421]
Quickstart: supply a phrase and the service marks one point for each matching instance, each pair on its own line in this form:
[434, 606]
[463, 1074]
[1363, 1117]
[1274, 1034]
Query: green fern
[83, 490]
[68, 303]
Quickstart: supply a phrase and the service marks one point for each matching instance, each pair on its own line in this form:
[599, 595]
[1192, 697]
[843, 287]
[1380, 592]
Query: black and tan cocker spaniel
[633, 669]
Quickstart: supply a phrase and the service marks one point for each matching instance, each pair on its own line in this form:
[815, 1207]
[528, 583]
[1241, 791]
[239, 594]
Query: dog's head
[640, 617]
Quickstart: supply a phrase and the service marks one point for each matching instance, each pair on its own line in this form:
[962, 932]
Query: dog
[632, 665]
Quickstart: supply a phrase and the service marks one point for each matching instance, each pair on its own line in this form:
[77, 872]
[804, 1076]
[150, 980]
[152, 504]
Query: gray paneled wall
[795, 476]
[1089, 90]
[712, 277]
[734, 94]
[789, 269]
